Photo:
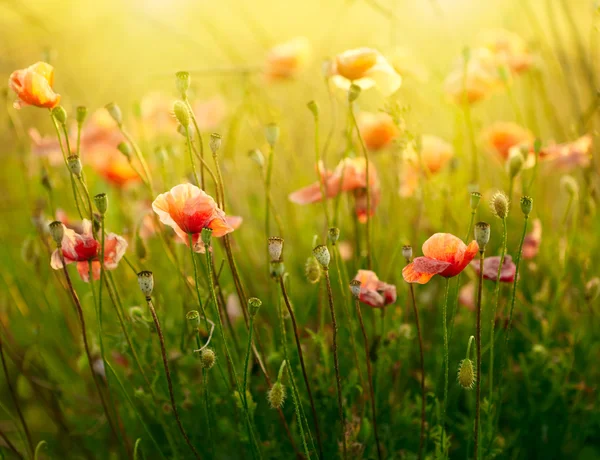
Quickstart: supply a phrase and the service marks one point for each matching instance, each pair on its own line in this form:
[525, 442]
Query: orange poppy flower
[374, 292]
[502, 136]
[475, 82]
[83, 248]
[377, 130]
[287, 59]
[365, 67]
[509, 49]
[33, 86]
[443, 254]
[350, 175]
[188, 209]
[112, 165]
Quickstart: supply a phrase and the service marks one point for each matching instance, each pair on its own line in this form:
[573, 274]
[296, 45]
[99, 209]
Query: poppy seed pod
[215, 143]
[101, 201]
[81, 114]
[272, 134]
[322, 255]
[193, 316]
[115, 112]
[206, 236]
[355, 288]
[526, 204]
[253, 306]
[333, 235]
[314, 108]
[353, 93]
[313, 270]
[74, 164]
[182, 83]
[482, 234]
[57, 231]
[146, 282]
[60, 114]
[276, 395]
[275, 246]
[475, 198]
[407, 252]
[466, 374]
[208, 358]
[499, 205]
[182, 113]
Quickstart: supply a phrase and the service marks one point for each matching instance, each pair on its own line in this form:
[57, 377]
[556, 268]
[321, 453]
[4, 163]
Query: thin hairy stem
[478, 365]
[423, 394]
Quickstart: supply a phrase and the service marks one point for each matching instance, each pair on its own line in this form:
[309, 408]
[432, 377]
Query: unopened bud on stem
[482, 235]
[57, 231]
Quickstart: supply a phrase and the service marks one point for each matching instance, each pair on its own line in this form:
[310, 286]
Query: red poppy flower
[374, 292]
[188, 210]
[444, 254]
[83, 248]
[490, 268]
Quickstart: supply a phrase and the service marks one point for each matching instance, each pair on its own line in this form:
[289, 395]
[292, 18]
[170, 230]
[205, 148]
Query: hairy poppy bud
[475, 198]
[57, 231]
[333, 235]
[514, 163]
[276, 395]
[313, 270]
[182, 113]
[193, 316]
[407, 252]
[482, 234]
[275, 246]
[101, 201]
[253, 306]
[74, 164]
[182, 83]
[215, 143]
[314, 108]
[499, 205]
[272, 134]
[60, 114]
[206, 236]
[526, 204]
[353, 92]
[125, 149]
[146, 282]
[208, 358]
[257, 156]
[466, 374]
[115, 112]
[81, 114]
[355, 288]
[322, 255]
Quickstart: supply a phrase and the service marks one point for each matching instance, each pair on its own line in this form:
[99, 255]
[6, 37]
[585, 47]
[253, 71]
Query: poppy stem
[423, 394]
[191, 152]
[478, 366]
[370, 374]
[302, 365]
[163, 353]
[140, 157]
[515, 282]
[209, 415]
[336, 360]
[446, 358]
[200, 143]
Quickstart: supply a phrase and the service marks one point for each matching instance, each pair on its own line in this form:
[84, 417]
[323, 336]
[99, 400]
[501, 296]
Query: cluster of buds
[275, 247]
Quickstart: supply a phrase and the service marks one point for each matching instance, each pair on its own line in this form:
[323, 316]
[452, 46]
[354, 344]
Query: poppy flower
[83, 248]
[285, 60]
[490, 268]
[33, 86]
[474, 81]
[502, 136]
[366, 68]
[350, 175]
[188, 209]
[443, 254]
[374, 292]
[377, 130]
[112, 165]
[532, 241]
[508, 48]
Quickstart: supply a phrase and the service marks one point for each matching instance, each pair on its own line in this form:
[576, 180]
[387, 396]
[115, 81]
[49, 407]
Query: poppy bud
[146, 282]
[215, 143]
[208, 358]
[193, 316]
[101, 201]
[81, 114]
[125, 149]
[182, 83]
[57, 231]
[272, 134]
[514, 164]
[314, 108]
[499, 205]
[355, 288]
[322, 255]
[276, 395]
[526, 204]
[475, 198]
[275, 246]
[466, 374]
[257, 156]
[253, 306]
[206, 236]
[60, 114]
[182, 113]
[74, 164]
[482, 235]
[569, 184]
[277, 269]
[407, 252]
[353, 93]
[312, 269]
[115, 112]
[333, 235]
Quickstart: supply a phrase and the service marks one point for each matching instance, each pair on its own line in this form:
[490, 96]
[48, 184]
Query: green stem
[478, 365]
[247, 359]
[200, 143]
[191, 152]
[446, 357]
[423, 394]
[206, 399]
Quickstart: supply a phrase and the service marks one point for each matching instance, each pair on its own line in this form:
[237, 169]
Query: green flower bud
[313, 270]
[466, 374]
[60, 114]
[500, 205]
[125, 149]
[101, 201]
[81, 114]
[57, 231]
[272, 134]
[207, 358]
[182, 83]
[314, 108]
[333, 235]
[276, 395]
[115, 112]
[182, 113]
[206, 236]
[253, 306]
[74, 164]
[526, 204]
